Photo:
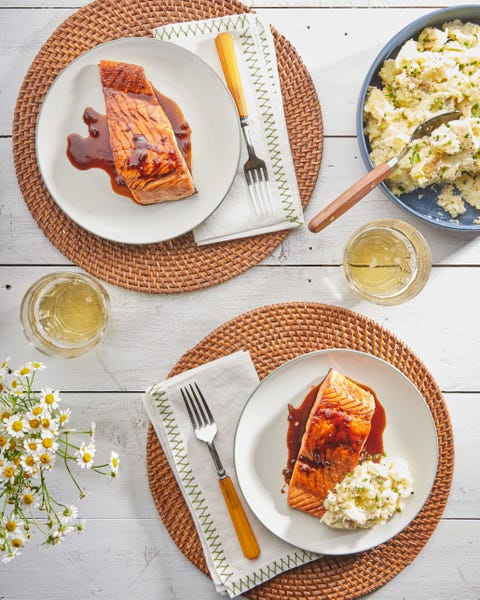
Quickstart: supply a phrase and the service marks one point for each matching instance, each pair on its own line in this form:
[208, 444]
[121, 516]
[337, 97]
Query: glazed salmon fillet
[335, 433]
[145, 150]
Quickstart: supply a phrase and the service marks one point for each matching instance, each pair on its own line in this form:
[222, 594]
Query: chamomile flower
[29, 499]
[12, 525]
[80, 526]
[64, 416]
[37, 412]
[46, 459]
[3, 442]
[57, 535]
[47, 423]
[17, 540]
[36, 366]
[16, 425]
[4, 415]
[16, 386]
[69, 513]
[50, 398]
[5, 363]
[114, 463]
[8, 471]
[24, 371]
[85, 455]
[48, 442]
[29, 463]
[31, 444]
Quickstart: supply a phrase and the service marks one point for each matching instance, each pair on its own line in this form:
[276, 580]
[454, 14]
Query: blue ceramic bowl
[425, 207]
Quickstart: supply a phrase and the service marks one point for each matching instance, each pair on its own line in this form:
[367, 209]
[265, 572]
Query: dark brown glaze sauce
[297, 421]
[94, 151]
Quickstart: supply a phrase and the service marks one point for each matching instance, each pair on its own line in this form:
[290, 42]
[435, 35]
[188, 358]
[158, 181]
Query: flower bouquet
[34, 435]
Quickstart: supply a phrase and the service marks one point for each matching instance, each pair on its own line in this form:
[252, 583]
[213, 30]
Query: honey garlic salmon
[335, 433]
[145, 150]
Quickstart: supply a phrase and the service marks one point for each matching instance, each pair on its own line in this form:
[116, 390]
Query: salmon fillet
[335, 433]
[145, 150]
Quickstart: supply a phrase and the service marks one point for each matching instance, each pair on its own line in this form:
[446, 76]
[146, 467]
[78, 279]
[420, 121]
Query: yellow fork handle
[226, 53]
[245, 534]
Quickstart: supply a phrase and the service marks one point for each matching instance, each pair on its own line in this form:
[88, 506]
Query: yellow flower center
[4, 364]
[36, 365]
[13, 444]
[30, 461]
[17, 426]
[34, 423]
[24, 371]
[63, 418]
[27, 499]
[16, 542]
[87, 457]
[9, 472]
[14, 383]
[10, 526]
[49, 398]
[47, 443]
[46, 423]
[115, 462]
[4, 415]
[16, 461]
[45, 458]
[37, 410]
[32, 445]
[3, 440]
[1, 387]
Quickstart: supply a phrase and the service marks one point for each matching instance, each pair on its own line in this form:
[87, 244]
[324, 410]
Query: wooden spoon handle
[226, 53]
[350, 197]
[245, 534]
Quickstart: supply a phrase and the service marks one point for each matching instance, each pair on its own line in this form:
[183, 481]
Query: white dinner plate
[261, 451]
[86, 196]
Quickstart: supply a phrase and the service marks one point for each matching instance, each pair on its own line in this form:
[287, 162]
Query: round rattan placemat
[273, 335]
[177, 265]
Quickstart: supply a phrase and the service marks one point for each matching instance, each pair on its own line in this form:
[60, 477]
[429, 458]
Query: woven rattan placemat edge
[336, 578]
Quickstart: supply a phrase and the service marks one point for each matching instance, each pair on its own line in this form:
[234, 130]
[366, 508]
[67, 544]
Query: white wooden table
[126, 553]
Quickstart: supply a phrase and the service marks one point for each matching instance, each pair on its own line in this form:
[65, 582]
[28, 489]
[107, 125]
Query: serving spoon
[368, 182]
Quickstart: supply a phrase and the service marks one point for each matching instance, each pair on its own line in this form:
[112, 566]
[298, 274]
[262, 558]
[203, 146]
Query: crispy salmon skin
[335, 433]
[145, 150]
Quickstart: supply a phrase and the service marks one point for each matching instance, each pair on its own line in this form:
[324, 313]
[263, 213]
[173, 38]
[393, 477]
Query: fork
[255, 169]
[205, 430]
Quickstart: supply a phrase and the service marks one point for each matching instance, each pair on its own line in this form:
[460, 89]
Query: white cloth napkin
[226, 383]
[235, 217]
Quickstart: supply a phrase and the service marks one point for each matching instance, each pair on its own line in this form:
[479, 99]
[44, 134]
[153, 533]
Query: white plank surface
[126, 552]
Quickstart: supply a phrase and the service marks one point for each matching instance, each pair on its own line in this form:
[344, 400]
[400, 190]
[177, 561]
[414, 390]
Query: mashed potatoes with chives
[368, 496]
[439, 72]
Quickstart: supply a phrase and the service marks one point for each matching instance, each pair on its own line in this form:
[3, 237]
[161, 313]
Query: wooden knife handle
[226, 53]
[350, 197]
[245, 534]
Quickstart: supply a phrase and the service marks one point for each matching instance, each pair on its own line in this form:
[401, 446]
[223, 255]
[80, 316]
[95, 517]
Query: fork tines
[196, 406]
[259, 188]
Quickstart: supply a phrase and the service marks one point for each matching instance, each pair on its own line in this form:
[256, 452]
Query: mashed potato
[439, 72]
[369, 496]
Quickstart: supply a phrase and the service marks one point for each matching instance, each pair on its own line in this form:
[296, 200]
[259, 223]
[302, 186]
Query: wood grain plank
[135, 560]
[169, 325]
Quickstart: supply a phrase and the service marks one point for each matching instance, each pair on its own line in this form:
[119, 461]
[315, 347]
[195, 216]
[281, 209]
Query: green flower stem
[72, 477]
